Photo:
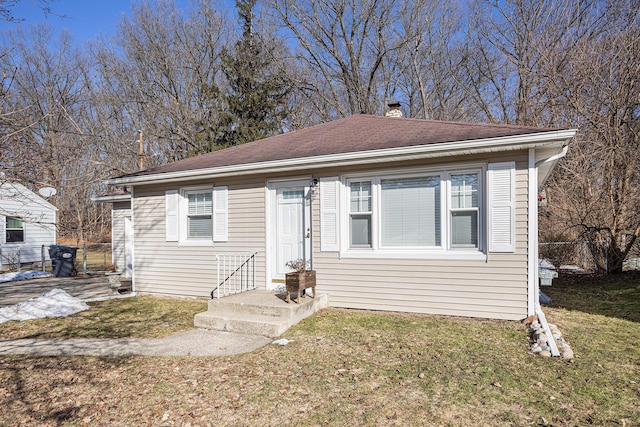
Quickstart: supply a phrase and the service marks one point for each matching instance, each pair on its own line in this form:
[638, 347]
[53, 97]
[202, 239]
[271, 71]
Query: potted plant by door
[300, 279]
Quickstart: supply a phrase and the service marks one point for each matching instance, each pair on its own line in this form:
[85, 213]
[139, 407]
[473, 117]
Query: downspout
[534, 283]
[554, 157]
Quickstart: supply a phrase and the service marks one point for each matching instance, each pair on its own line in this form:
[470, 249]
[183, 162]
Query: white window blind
[199, 215]
[329, 224]
[410, 212]
[501, 192]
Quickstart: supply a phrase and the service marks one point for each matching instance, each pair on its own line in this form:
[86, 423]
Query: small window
[199, 215]
[360, 214]
[14, 230]
[464, 210]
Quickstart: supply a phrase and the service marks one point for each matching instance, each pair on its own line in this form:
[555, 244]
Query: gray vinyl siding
[119, 211]
[162, 267]
[495, 288]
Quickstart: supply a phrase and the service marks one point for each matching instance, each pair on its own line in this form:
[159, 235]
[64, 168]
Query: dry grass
[347, 368]
[139, 317]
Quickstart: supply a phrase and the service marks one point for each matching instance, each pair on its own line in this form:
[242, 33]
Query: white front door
[289, 229]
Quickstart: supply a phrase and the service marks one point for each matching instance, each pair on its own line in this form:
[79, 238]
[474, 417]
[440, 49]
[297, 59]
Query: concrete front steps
[258, 312]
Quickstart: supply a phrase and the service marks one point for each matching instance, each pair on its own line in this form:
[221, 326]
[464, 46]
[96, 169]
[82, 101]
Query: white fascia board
[111, 199]
[447, 149]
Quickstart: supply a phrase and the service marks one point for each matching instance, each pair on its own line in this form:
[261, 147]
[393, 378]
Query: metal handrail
[226, 259]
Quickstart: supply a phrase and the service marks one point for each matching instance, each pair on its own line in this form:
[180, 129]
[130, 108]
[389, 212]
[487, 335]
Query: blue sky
[84, 19]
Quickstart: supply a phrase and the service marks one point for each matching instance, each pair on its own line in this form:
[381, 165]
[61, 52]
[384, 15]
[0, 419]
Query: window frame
[445, 250]
[361, 213]
[23, 229]
[477, 209]
[183, 216]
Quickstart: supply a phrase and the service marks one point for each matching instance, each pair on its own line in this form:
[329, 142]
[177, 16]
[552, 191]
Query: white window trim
[482, 208]
[442, 252]
[183, 208]
[24, 231]
[370, 213]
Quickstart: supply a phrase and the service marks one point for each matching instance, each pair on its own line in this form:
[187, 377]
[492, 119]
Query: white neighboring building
[27, 221]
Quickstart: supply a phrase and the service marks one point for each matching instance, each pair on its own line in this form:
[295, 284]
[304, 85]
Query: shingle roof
[358, 133]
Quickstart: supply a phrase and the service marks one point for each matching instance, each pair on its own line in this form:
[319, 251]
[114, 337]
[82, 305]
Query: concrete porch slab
[258, 312]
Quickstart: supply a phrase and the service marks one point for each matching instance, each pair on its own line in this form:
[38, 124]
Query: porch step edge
[235, 322]
[240, 318]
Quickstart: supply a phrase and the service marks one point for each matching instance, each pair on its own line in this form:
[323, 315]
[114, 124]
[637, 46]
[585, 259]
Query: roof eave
[447, 149]
[112, 199]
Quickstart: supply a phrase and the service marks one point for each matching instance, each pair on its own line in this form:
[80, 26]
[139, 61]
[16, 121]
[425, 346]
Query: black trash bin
[63, 259]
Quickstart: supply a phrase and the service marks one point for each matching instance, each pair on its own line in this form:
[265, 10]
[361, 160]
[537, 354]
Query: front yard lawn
[351, 368]
[138, 317]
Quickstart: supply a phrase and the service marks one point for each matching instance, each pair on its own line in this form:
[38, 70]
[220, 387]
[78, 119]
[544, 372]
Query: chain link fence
[579, 256]
[90, 258]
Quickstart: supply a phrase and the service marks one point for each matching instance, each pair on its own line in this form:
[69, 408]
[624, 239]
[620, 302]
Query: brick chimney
[394, 109]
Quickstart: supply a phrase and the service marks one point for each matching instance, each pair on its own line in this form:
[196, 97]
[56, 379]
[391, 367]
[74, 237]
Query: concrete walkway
[196, 342]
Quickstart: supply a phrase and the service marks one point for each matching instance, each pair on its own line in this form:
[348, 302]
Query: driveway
[82, 287]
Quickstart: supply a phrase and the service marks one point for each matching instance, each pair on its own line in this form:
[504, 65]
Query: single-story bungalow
[27, 222]
[392, 213]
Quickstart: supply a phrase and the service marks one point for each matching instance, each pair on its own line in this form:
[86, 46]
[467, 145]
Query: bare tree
[596, 193]
[432, 61]
[158, 76]
[6, 9]
[45, 141]
[512, 40]
[342, 45]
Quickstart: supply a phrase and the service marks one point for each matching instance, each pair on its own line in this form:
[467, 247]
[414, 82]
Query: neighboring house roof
[352, 140]
[14, 191]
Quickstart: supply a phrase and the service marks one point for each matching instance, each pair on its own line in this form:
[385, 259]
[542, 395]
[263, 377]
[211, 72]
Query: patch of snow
[543, 263]
[55, 303]
[23, 275]
[573, 268]
[282, 341]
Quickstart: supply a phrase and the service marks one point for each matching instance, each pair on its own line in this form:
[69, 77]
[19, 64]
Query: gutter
[553, 158]
[478, 146]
